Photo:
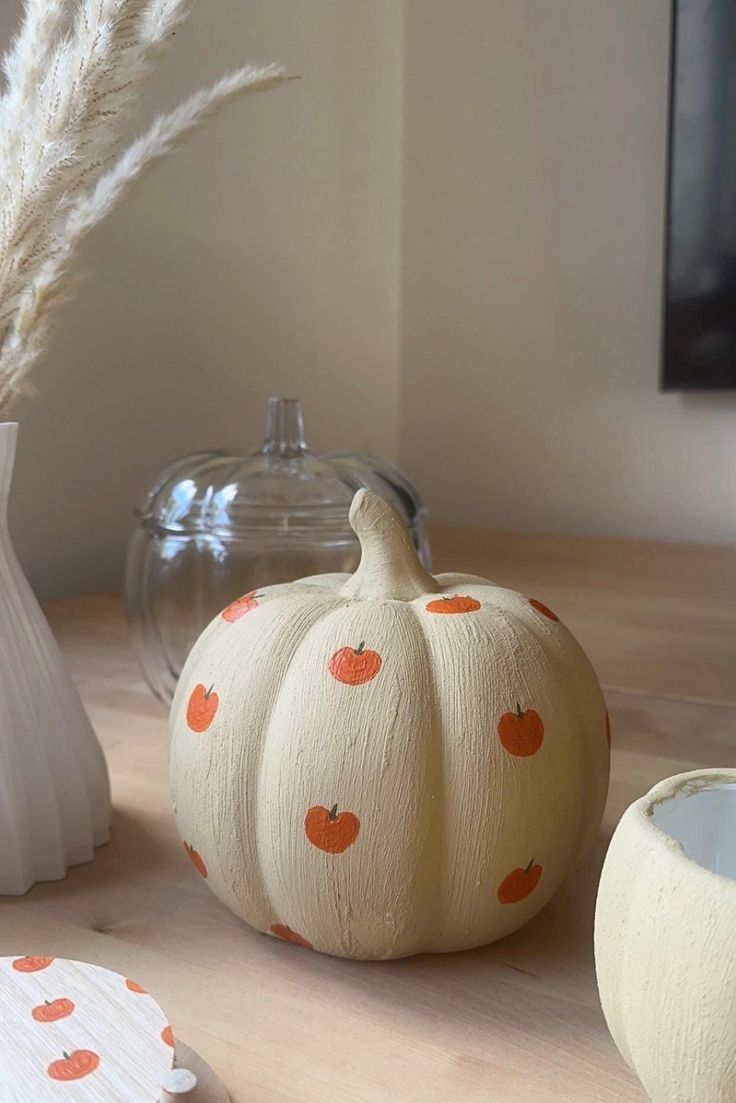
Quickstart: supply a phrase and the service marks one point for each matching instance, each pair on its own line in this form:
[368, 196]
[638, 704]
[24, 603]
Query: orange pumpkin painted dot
[521, 732]
[242, 605]
[74, 1066]
[134, 986]
[197, 860]
[31, 964]
[519, 884]
[52, 1010]
[455, 604]
[202, 707]
[354, 665]
[280, 930]
[167, 1036]
[330, 831]
[543, 609]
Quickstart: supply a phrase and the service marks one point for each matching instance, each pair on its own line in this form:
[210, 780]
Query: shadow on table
[547, 964]
[134, 849]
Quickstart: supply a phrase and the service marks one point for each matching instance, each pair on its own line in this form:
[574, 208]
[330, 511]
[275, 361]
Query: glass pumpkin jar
[217, 525]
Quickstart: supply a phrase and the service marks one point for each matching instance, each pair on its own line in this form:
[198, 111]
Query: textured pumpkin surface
[352, 785]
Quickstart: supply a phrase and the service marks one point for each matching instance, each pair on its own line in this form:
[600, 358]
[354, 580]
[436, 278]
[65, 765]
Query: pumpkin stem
[519, 710]
[389, 566]
[528, 868]
[332, 814]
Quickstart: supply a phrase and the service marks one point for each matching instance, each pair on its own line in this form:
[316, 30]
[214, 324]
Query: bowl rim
[686, 785]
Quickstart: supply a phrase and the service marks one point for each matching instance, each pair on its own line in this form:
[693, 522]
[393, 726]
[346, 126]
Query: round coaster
[209, 1087]
[74, 1032]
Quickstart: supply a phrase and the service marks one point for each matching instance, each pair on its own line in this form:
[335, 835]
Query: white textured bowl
[665, 938]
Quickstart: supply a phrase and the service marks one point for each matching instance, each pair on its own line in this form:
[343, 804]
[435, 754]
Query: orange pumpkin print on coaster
[74, 1066]
[543, 609]
[52, 1010]
[354, 665]
[519, 884]
[454, 604]
[242, 605]
[280, 930]
[31, 964]
[167, 1036]
[197, 860]
[134, 986]
[201, 709]
[330, 831]
[521, 732]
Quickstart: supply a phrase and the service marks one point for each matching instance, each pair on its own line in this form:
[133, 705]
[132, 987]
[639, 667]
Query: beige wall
[262, 258]
[534, 169]
[268, 256]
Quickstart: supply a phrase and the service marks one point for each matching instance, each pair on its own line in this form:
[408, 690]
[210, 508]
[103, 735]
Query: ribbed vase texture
[54, 789]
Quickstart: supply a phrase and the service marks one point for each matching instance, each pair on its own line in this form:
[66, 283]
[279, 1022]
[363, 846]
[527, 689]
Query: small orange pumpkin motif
[167, 1036]
[521, 732]
[134, 986]
[455, 604]
[242, 605]
[50, 1011]
[31, 964]
[329, 831]
[543, 609]
[74, 1066]
[197, 860]
[354, 665]
[280, 930]
[519, 884]
[201, 709]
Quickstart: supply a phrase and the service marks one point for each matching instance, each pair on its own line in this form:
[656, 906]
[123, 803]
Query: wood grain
[658, 618]
[518, 1021]
[74, 1024]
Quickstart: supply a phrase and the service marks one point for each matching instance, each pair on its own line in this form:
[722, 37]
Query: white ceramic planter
[54, 790]
[665, 938]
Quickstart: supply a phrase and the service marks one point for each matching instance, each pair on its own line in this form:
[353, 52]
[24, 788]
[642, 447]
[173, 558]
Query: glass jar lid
[281, 489]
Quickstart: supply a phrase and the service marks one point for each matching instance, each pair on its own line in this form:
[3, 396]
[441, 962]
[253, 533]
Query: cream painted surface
[533, 205]
[79, 1033]
[664, 941]
[462, 834]
[262, 258]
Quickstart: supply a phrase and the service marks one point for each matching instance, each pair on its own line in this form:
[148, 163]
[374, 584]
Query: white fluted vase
[54, 788]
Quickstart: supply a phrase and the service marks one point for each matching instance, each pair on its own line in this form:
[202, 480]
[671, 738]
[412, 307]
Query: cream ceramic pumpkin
[387, 763]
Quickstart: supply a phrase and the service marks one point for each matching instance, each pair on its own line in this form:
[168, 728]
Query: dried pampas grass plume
[73, 75]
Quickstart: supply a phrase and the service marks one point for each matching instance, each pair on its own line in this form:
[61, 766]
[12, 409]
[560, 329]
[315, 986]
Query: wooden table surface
[515, 1022]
